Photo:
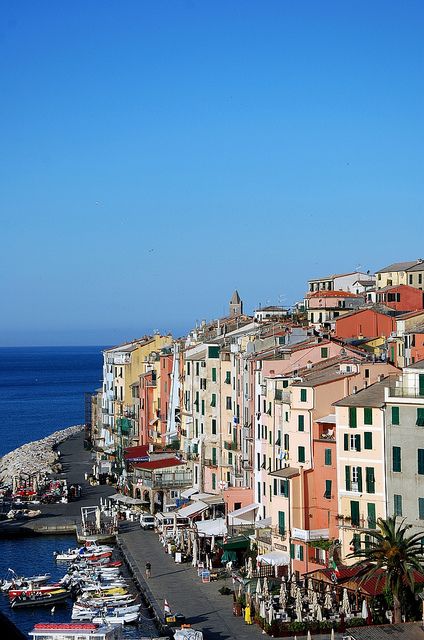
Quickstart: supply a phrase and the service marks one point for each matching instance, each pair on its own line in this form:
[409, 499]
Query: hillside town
[303, 426]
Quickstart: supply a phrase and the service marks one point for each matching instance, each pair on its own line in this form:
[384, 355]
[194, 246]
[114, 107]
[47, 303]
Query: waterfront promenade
[62, 518]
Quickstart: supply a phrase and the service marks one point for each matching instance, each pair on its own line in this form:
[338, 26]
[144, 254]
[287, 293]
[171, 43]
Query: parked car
[147, 521]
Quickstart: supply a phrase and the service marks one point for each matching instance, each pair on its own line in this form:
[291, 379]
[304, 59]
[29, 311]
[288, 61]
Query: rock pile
[34, 457]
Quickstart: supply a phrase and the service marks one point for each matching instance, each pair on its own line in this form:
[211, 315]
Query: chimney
[380, 377]
[355, 389]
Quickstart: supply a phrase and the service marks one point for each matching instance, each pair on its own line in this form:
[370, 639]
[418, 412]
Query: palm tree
[394, 552]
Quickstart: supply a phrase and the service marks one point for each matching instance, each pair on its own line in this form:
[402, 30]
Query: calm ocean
[42, 390]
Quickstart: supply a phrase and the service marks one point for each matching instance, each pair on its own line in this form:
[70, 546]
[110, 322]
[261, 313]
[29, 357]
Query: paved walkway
[202, 604]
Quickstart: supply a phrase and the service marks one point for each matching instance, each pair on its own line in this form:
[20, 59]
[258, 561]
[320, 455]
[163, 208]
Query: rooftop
[153, 465]
[372, 396]
[416, 365]
[333, 294]
[404, 631]
[400, 266]
[336, 275]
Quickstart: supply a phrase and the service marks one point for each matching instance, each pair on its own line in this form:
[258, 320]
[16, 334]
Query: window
[355, 442]
[214, 455]
[303, 395]
[228, 403]
[354, 512]
[352, 417]
[213, 427]
[367, 415]
[347, 478]
[301, 423]
[327, 457]
[213, 374]
[371, 515]
[286, 441]
[420, 417]
[281, 523]
[356, 542]
[214, 481]
[421, 508]
[301, 454]
[230, 457]
[228, 377]
[421, 461]
[286, 416]
[395, 415]
[367, 440]
[370, 479]
[397, 459]
[324, 352]
[213, 400]
[188, 368]
[397, 505]
[357, 479]
[203, 407]
[410, 278]
[197, 368]
[327, 493]
[213, 352]
[299, 552]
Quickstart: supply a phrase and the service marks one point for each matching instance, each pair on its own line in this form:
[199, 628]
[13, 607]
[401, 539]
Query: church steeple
[236, 305]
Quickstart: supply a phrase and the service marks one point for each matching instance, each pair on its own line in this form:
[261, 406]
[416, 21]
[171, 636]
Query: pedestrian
[148, 569]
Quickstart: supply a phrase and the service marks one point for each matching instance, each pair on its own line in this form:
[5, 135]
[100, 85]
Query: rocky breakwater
[38, 457]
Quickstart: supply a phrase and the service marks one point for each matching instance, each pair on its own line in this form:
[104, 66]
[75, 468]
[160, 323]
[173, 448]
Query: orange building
[367, 323]
[401, 298]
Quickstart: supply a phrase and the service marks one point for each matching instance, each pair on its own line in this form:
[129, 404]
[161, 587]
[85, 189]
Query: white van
[147, 521]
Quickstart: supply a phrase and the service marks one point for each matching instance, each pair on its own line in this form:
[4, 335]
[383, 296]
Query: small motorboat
[40, 599]
[116, 618]
[29, 589]
[17, 582]
[88, 613]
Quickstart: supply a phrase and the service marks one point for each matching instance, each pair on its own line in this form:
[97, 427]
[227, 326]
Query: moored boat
[40, 599]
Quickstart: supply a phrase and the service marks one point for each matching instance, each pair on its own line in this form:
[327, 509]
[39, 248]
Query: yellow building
[409, 273]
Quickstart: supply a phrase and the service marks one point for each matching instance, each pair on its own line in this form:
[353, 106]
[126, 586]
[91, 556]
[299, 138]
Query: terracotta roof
[333, 294]
[135, 453]
[372, 396]
[152, 465]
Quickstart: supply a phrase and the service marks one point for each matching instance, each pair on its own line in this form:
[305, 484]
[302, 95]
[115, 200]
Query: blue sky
[157, 155]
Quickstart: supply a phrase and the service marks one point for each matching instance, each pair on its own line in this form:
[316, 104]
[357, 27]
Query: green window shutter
[371, 515]
[324, 352]
[286, 488]
[301, 454]
[367, 440]
[228, 377]
[360, 479]
[300, 552]
[352, 417]
[420, 417]
[421, 384]
[213, 352]
[301, 423]
[230, 457]
[213, 374]
[397, 504]
[397, 459]
[286, 441]
[367, 415]
[327, 489]
[213, 455]
[327, 455]
[347, 477]
[214, 481]
[370, 479]
[354, 512]
[421, 461]
[281, 522]
[356, 542]
[203, 407]
[395, 415]
[213, 400]
[275, 486]
[213, 426]
[303, 395]
[357, 442]
[291, 550]
[346, 442]
[421, 508]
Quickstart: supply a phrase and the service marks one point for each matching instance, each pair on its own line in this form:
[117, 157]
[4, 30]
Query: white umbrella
[283, 595]
[262, 609]
[194, 561]
[298, 612]
[345, 603]
[332, 634]
[266, 588]
[293, 589]
[213, 543]
[314, 599]
[364, 613]
[248, 598]
[328, 603]
[308, 637]
[270, 614]
[250, 568]
[258, 587]
[310, 590]
[318, 613]
[298, 597]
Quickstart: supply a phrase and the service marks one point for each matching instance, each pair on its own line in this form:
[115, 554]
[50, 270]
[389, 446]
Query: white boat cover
[244, 514]
[274, 558]
[119, 497]
[209, 528]
[192, 509]
[189, 492]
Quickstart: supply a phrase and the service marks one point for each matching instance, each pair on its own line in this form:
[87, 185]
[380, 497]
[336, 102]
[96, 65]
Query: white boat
[16, 582]
[88, 613]
[91, 552]
[116, 618]
[74, 631]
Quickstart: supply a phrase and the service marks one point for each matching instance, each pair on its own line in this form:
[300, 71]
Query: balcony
[308, 535]
[165, 480]
[247, 433]
[210, 463]
[231, 446]
[406, 392]
[363, 523]
[282, 396]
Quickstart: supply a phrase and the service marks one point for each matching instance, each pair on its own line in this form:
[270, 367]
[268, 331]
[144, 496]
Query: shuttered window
[395, 415]
[397, 459]
[303, 395]
[281, 523]
[370, 479]
[367, 440]
[347, 478]
[354, 512]
[327, 457]
[346, 442]
[371, 515]
[420, 417]
[327, 493]
[421, 508]
[397, 505]
[367, 415]
[301, 454]
[421, 461]
[301, 423]
[352, 417]
[213, 374]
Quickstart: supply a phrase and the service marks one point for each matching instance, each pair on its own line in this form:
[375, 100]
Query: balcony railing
[282, 396]
[231, 446]
[211, 463]
[405, 392]
[166, 481]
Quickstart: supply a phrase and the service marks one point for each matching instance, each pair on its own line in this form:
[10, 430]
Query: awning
[137, 454]
[192, 510]
[330, 419]
[244, 514]
[238, 542]
[118, 497]
[274, 558]
[228, 556]
[285, 472]
[264, 523]
[209, 528]
[153, 421]
[189, 492]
